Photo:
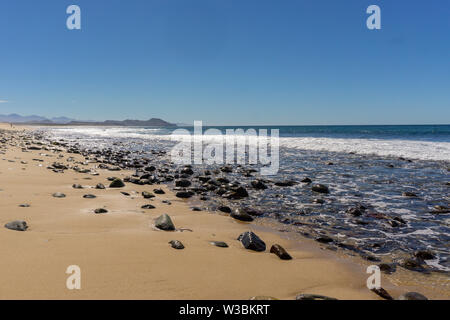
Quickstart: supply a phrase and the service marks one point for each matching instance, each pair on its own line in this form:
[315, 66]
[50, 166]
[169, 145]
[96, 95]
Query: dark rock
[59, 195]
[196, 209]
[100, 186]
[324, 239]
[242, 215]
[150, 169]
[100, 210]
[287, 183]
[382, 293]
[253, 212]
[225, 209]
[424, 255]
[184, 194]
[164, 222]
[320, 188]
[182, 183]
[440, 210]
[17, 225]
[306, 296]
[148, 206]
[318, 201]
[306, 180]
[412, 296]
[24, 205]
[356, 212]
[263, 298]
[77, 186]
[409, 194]
[387, 268]
[125, 193]
[412, 264]
[251, 241]
[280, 252]
[147, 195]
[89, 196]
[219, 244]
[117, 183]
[258, 184]
[158, 191]
[176, 244]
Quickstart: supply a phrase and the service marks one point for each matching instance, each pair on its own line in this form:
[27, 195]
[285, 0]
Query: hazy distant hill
[17, 118]
[33, 119]
[153, 122]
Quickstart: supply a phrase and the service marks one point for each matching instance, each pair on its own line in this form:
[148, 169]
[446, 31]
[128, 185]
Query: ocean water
[362, 165]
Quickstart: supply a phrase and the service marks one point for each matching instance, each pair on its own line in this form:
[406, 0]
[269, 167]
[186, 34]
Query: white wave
[411, 149]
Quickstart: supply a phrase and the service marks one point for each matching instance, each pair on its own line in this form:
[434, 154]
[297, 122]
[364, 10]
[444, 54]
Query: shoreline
[122, 256]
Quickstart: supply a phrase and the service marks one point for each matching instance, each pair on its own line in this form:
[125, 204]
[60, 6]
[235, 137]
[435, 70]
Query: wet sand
[121, 254]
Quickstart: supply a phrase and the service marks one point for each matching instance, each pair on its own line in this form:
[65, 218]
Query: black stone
[176, 244]
[147, 195]
[117, 183]
[89, 196]
[242, 215]
[306, 296]
[164, 222]
[412, 296]
[17, 225]
[251, 241]
[280, 252]
[320, 188]
[100, 210]
[148, 206]
[382, 293]
[219, 244]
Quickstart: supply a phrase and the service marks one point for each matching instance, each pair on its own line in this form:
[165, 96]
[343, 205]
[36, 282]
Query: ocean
[368, 166]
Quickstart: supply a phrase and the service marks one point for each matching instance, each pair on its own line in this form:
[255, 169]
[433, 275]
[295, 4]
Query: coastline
[122, 256]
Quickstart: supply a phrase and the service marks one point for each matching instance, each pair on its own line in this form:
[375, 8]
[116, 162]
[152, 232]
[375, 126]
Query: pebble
[89, 196]
[251, 241]
[219, 244]
[176, 244]
[59, 195]
[280, 252]
[17, 225]
[117, 183]
[164, 222]
[307, 296]
[241, 215]
[100, 210]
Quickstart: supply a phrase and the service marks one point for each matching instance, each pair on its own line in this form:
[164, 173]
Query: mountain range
[34, 119]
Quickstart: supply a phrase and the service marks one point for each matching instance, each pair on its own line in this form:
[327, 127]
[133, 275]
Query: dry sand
[122, 256]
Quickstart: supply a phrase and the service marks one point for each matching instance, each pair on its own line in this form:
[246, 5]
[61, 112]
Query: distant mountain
[33, 119]
[17, 118]
[153, 122]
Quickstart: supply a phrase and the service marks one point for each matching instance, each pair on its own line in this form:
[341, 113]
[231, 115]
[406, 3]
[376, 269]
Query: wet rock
[89, 196]
[150, 169]
[251, 241]
[253, 212]
[412, 264]
[440, 210]
[117, 183]
[280, 252]
[184, 194]
[369, 257]
[164, 222]
[182, 183]
[306, 296]
[100, 211]
[242, 215]
[306, 180]
[24, 205]
[356, 212]
[59, 195]
[258, 185]
[412, 296]
[196, 209]
[77, 186]
[147, 195]
[125, 193]
[148, 206]
[324, 239]
[17, 225]
[382, 293]
[409, 194]
[387, 268]
[100, 186]
[219, 244]
[158, 191]
[318, 201]
[320, 188]
[176, 244]
[424, 255]
[225, 209]
[287, 183]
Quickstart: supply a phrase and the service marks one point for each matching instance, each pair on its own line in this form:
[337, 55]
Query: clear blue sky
[228, 61]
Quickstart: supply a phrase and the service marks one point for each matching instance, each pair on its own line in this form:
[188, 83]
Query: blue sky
[228, 61]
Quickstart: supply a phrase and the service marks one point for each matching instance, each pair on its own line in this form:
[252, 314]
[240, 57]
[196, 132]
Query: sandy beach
[123, 256]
